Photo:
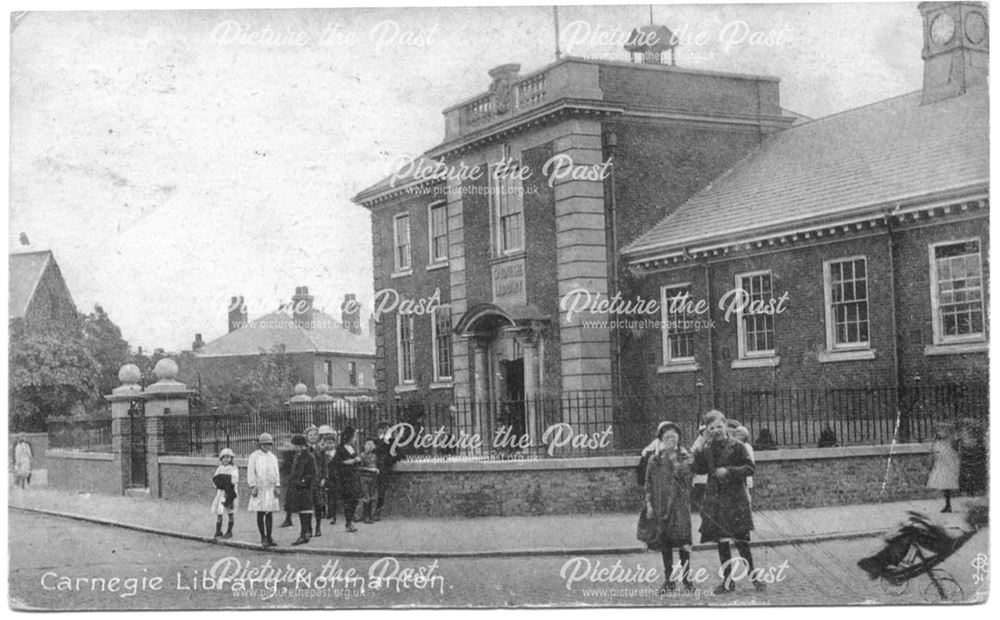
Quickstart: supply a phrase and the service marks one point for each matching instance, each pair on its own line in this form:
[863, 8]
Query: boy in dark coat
[725, 509]
[302, 479]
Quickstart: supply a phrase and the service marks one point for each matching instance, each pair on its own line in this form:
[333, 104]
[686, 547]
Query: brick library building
[610, 243]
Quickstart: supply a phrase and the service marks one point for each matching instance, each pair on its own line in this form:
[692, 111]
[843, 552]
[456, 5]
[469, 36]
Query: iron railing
[591, 423]
[79, 434]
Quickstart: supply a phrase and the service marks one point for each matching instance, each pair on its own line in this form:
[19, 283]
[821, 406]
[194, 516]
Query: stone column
[121, 400]
[480, 368]
[529, 347]
[166, 397]
[301, 406]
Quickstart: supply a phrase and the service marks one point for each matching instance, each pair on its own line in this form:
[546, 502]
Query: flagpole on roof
[555, 20]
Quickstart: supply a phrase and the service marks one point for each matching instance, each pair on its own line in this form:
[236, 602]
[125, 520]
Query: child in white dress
[225, 478]
[264, 480]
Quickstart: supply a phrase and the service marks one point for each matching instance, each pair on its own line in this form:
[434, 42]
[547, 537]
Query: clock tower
[956, 47]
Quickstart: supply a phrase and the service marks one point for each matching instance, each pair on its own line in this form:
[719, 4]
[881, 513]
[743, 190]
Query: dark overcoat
[322, 473]
[668, 487]
[725, 510]
[347, 475]
[301, 481]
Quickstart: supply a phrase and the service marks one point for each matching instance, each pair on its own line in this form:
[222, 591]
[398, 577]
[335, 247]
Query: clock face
[942, 29]
[975, 28]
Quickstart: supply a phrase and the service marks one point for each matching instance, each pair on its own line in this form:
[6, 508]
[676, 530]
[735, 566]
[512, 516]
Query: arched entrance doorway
[506, 377]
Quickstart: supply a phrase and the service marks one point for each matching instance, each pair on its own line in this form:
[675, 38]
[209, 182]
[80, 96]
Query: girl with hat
[264, 479]
[225, 478]
[319, 494]
[668, 502]
[328, 440]
[947, 463]
[345, 463]
[302, 478]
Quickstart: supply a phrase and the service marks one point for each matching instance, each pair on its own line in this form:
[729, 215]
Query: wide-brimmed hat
[325, 429]
[227, 452]
[311, 427]
[299, 440]
[265, 438]
[663, 426]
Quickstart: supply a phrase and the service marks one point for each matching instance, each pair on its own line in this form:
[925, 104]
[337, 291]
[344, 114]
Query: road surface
[62, 564]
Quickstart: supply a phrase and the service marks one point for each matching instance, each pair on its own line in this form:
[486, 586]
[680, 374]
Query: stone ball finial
[322, 388]
[301, 389]
[166, 369]
[129, 374]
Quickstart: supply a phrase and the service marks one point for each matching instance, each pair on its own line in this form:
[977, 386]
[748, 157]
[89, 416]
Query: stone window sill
[503, 258]
[957, 348]
[846, 356]
[436, 266]
[672, 367]
[401, 274]
[444, 384]
[407, 387]
[756, 362]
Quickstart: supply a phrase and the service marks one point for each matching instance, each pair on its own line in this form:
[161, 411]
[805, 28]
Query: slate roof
[868, 157]
[277, 329]
[26, 271]
[407, 174]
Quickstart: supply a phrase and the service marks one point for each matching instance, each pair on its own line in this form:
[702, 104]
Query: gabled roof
[278, 329]
[26, 271]
[868, 157]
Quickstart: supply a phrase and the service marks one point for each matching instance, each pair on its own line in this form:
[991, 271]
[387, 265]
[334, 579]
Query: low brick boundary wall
[92, 472]
[801, 478]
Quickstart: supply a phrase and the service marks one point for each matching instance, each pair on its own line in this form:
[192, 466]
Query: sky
[173, 159]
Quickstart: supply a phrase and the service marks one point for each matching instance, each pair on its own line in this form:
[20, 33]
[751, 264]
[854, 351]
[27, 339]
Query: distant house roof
[278, 329]
[26, 271]
[849, 163]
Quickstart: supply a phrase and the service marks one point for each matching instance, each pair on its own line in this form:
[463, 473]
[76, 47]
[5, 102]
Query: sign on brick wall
[508, 283]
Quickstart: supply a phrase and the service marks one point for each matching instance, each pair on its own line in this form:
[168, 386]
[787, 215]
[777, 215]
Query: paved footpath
[460, 537]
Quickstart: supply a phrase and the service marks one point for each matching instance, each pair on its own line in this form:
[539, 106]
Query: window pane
[678, 325]
[442, 341]
[509, 210]
[439, 232]
[402, 228]
[849, 308]
[959, 289]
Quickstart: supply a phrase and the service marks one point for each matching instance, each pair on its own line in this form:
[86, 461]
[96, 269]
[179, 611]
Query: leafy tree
[269, 380]
[272, 379]
[105, 343]
[49, 375]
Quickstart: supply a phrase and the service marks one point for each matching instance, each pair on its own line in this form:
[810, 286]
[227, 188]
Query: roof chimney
[237, 313]
[956, 48]
[350, 314]
[302, 307]
[198, 343]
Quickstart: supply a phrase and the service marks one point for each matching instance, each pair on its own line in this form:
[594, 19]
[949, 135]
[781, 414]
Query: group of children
[322, 473]
[721, 463]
